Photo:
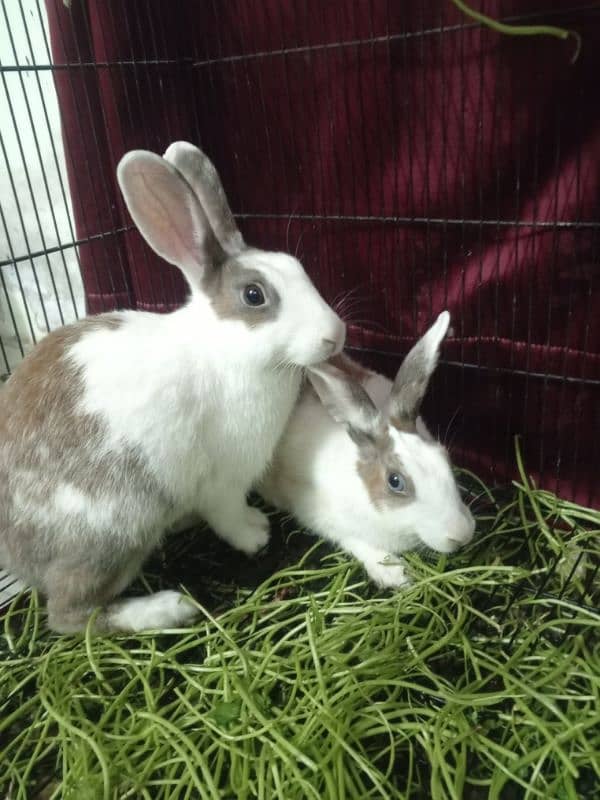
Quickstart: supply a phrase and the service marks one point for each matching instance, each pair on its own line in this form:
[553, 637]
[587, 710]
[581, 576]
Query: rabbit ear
[168, 215]
[200, 173]
[413, 376]
[346, 401]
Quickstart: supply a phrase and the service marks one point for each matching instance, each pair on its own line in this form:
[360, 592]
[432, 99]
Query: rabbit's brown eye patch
[241, 293]
[383, 485]
[383, 474]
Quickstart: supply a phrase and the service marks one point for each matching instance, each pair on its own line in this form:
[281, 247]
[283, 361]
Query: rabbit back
[63, 494]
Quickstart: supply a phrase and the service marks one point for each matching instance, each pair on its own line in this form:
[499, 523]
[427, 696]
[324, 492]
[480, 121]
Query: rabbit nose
[331, 345]
[335, 341]
[462, 533]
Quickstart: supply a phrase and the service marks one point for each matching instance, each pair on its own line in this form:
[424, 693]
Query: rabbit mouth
[328, 348]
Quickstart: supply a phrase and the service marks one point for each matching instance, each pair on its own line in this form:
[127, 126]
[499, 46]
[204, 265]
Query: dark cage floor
[482, 680]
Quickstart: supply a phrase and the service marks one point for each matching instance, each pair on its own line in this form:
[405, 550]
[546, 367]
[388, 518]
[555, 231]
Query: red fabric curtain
[406, 154]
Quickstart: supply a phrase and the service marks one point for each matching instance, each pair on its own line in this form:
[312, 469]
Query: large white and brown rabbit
[357, 465]
[114, 427]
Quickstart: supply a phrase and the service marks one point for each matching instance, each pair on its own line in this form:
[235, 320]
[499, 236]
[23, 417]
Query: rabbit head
[249, 300]
[406, 474]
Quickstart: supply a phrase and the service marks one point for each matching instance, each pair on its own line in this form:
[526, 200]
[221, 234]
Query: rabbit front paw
[383, 568]
[166, 609]
[254, 533]
[388, 571]
[240, 525]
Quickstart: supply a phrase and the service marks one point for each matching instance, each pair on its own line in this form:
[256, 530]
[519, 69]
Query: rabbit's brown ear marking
[403, 424]
[168, 214]
[414, 374]
[202, 176]
[346, 400]
[351, 368]
[223, 286]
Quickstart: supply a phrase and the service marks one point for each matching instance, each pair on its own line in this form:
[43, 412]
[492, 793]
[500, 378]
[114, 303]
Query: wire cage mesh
[413, 159]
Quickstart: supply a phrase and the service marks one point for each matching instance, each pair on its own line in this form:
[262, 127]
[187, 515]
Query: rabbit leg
[383, 568]
[240, 525]
[74, 591]
[166, 609]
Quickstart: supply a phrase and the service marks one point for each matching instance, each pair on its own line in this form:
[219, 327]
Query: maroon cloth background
[406, 154]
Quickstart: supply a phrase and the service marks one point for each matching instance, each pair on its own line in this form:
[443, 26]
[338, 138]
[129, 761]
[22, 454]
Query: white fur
[189, 406]
[69, 500]
[314, 476]
[208, 414]
[206, 420]
[161, 610]
[73, 504]
[382, 567]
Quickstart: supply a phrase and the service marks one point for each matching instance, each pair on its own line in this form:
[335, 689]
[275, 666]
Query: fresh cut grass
[301, 680]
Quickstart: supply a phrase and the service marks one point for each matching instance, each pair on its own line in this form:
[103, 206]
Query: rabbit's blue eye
[396, 482]
[253, 295]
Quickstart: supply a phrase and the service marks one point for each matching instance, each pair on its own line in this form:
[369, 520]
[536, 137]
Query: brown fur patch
[403, 424]
[351, 368]
[376, 460]
[202, 176]
[411, 383]
[46, 442]
[45, 385]
[224, 286]
[346, 365]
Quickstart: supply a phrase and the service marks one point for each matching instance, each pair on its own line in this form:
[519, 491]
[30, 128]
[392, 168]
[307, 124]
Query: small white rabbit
[115, 426]
[357, 465]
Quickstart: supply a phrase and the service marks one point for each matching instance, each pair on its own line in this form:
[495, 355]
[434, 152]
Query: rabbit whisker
[298, 243]
[346, 306]
[287, 231]
[343, 295]
[351, 295]
[452, 419]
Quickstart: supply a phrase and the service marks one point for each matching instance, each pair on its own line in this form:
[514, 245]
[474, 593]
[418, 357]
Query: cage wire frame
[40, 283]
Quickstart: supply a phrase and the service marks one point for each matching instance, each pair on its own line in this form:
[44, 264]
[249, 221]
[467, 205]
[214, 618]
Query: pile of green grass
[482, 680]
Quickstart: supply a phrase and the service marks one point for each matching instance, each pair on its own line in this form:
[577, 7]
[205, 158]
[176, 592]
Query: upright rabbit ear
[200, 173]
[413, 376]
[168, 215]
[346, 401]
